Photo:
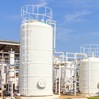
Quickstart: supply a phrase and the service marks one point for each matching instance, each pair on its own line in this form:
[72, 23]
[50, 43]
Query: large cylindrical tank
[89, 76]
[36, 51]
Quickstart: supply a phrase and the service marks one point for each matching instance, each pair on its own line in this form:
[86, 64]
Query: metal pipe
[56, 82]
[59, 70]
[75, 78]
[60, 53]
[12, 90]
[51, 22]
[81, 54]
[15, 77]
[75, 58]
[54, 36]
[89, 77]
[59, 77]
[77, 54]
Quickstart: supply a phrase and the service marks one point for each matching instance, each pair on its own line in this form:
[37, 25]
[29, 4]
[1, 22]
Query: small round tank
[89, 76]
[11, 75]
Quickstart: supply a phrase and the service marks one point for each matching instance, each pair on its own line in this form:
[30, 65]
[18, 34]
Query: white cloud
[66, 34]
[42, 2]
[62, 33]
[14, 17]
[94, 33]
[38, 2]
[83, 3]
[77, 16]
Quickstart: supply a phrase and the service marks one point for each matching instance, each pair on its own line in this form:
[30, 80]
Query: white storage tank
[11, 75]
[69, 70]
[12, 57]
[36, 51]
[89, 76]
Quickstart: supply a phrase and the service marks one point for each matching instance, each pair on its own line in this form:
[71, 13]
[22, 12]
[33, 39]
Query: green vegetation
[88, 98]
[93, 98]
[67, 98]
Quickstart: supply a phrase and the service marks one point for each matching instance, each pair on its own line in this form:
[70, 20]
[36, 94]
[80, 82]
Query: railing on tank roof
[90, 49]
[36, 12]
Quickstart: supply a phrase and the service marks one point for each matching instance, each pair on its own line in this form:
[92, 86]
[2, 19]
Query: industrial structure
[36, 52]
[9, 67]
[33, 69]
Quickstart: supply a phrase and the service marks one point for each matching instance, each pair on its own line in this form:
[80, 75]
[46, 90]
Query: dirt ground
[67, 96]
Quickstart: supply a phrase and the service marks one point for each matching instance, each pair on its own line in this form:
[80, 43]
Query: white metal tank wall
[11, 75]
[69, 70]
[89, 76]
[12, 57]
[36, 59]
[3, 74]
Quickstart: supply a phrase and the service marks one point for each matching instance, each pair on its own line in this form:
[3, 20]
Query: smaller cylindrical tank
[89, 76]
[12, 57]
[69, 70]
[11, 75]
[3, 74]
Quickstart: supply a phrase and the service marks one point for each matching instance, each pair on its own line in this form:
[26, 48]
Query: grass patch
[93, 98]
[67, 98]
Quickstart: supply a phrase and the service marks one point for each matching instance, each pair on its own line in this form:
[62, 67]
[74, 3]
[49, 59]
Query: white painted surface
[12, 57]
[36, 59]
[89, 76]
[11, 75]
[46, 97]
[69, 71]
[3, 74]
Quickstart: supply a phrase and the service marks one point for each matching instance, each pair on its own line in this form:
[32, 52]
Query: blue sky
[77, 21]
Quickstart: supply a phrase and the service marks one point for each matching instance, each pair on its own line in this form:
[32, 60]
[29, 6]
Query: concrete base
[46, 97]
